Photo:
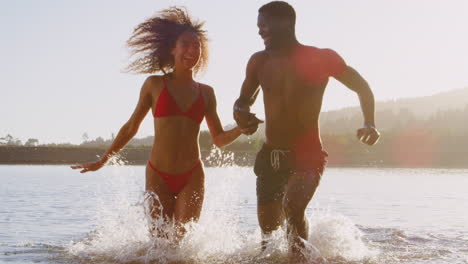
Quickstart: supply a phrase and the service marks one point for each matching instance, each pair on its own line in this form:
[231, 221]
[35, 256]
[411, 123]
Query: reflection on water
[51, 214]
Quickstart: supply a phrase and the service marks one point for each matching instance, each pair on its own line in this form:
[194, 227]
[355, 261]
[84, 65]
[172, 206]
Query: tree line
[439, 140]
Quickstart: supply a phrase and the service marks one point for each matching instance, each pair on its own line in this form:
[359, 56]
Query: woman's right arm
[128, 130]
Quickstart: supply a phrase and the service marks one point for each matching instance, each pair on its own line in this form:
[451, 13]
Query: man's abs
[292, 114]
[288, 128]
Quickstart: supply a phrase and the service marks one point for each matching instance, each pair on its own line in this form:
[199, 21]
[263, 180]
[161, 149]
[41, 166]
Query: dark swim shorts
[273, 167]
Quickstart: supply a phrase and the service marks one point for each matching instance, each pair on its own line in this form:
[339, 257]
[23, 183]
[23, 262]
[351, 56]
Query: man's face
[271, 30]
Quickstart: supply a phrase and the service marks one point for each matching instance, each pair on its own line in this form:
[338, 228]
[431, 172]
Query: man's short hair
[279, 9]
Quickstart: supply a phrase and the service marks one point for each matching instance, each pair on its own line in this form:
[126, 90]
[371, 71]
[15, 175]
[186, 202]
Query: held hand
[93, 166]
[249, 130]
[245, 119]
[368, 135]
[247, 122]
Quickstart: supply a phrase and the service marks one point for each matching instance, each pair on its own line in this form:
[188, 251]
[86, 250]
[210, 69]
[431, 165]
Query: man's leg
[271, 185]
[270, 211]
[299, 191]
[270, 218]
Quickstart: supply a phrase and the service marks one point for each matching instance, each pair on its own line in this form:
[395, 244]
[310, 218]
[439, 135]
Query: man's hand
[368, 135]
[247, 121]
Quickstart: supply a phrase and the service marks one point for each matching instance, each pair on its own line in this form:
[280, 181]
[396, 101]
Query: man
[293, 78]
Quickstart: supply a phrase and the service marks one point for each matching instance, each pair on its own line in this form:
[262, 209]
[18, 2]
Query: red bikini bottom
[175, 182]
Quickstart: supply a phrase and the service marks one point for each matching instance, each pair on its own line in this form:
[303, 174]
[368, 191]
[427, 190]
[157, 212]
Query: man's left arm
[354, 81]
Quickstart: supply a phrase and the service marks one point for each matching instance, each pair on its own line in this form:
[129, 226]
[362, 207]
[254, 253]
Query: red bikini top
[167, 106]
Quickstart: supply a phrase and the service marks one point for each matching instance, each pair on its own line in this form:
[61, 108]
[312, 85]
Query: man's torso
[293, 86]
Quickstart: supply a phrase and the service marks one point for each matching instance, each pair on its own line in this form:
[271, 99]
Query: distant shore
[43, 155]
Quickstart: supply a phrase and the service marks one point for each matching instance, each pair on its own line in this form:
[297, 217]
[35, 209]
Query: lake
[51, 214]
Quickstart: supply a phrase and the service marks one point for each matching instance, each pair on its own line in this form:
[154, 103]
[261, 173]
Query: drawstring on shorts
[275, 158]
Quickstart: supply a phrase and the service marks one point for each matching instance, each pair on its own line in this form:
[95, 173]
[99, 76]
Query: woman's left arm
[220, 137]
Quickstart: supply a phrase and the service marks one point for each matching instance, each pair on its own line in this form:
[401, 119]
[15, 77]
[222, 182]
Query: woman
[175, 45]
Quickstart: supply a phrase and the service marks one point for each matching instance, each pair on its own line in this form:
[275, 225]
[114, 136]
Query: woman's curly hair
[152, 41]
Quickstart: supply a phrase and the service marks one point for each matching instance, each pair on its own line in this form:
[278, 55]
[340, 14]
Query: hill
[396, 111]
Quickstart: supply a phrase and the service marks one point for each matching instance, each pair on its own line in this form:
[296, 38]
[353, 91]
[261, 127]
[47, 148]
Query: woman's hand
[93, 166]
[243, 117]
[247, 122]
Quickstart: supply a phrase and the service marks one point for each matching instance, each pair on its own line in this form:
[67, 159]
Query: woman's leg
[189, 201]
[160, 200]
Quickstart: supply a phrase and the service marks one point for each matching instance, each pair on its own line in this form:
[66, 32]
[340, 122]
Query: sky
[62, 62]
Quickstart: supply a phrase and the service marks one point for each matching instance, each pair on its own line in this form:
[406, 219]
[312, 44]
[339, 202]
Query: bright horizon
[62, 62]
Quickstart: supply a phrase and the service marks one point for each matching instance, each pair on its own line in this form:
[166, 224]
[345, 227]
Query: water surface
[51, 214]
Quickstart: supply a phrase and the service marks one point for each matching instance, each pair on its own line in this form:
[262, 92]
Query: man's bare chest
[277, 74]
[282, 77]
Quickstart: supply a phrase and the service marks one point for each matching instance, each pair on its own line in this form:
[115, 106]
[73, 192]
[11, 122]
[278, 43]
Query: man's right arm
[249, 92]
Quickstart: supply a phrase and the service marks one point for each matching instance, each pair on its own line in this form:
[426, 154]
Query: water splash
[337, 237]
[220, 236]
[220, 158]
[117, 160]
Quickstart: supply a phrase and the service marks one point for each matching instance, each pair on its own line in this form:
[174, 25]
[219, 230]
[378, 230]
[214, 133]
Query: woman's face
[187, 50]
